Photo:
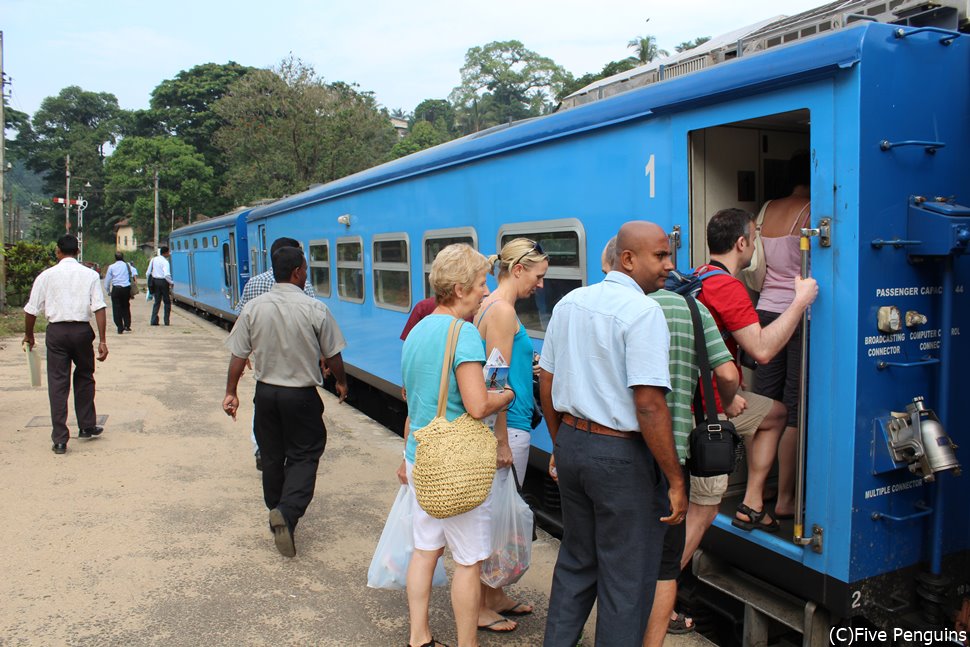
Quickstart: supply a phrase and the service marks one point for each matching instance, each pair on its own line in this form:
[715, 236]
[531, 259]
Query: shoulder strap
[710, 273]
[705, 379]
[482, 316]
[798, 218]
[761, 215]
[128, 267]
[449, 358]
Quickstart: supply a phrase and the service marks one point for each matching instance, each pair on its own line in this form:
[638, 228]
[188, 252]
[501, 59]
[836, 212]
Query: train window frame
[195, 243]
[390, 266]
[205, 242]
[534, 230]
[433, 234]
[325, 264]
[215, 240]
[350, 265]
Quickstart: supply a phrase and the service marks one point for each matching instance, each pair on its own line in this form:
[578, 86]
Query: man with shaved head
[603, 378]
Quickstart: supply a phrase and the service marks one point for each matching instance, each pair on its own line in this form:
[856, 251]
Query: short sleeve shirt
[602, 341]
[421, 357]
[729, 304]
[286, 332]
[684, 368]
[68, 291]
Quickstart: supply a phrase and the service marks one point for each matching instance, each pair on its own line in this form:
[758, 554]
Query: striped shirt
[683, 360]
[263, 283]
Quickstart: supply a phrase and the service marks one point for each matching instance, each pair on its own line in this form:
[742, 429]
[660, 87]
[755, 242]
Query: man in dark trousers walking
[287, 332]
[67, 294]
[159, 275]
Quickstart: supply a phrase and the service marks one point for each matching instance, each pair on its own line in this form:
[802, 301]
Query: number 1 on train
[648, 171]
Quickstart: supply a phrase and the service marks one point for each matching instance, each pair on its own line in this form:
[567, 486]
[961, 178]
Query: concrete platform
[155, 533]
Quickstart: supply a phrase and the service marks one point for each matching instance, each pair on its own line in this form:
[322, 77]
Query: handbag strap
[704, 364]
[449, 358]
[128, 267]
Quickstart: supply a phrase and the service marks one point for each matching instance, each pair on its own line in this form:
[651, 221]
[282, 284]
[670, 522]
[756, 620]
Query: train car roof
[211, 223]
[806, 59]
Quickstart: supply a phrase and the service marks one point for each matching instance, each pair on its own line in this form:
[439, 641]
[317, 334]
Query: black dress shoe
[90, 432]
[59, 448]
[128, 328]
[259, 461]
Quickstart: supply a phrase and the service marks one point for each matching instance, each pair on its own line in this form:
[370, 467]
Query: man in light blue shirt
[603, 380]
[117, 283]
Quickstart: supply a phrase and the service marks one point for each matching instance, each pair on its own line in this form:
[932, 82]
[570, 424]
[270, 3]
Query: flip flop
[491, 627]
[679, 625]
[516, 611]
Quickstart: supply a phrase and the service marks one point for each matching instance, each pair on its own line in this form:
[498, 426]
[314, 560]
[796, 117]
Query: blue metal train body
[210, 262]
[674, 153]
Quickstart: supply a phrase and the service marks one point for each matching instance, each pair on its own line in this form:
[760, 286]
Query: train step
[764, 604]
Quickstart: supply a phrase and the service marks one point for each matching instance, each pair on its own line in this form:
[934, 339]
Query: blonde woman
[521, 266]
[458, 280]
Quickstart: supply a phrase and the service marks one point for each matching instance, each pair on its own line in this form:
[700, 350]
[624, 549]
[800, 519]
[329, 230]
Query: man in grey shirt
[287, 332]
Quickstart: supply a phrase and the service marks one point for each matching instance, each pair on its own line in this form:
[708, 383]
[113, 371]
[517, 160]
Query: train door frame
[261, 250]
[231, 269]
[192, 286]
[819, 97]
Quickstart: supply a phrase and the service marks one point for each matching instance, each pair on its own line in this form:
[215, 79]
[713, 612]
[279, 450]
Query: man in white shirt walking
[67, 294]
[117, 283]
[159, 275]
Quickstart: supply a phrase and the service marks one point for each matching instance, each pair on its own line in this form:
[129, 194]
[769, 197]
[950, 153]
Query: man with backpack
[730, 238]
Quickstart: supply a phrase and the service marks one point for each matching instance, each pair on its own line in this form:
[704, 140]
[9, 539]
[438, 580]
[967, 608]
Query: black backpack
[689, 284]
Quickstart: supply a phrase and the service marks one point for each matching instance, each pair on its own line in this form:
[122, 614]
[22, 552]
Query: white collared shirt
[68, 291]
[159, 268]
[602, 340]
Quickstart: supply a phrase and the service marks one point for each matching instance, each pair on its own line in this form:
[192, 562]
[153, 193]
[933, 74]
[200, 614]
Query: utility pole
[156, 211]
[3, 170]
[67, 195]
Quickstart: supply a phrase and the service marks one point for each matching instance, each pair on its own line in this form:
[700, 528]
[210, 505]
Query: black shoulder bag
[714, 444]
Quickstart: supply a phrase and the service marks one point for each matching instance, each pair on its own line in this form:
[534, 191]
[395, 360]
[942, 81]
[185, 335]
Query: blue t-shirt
[421, 358]
[520, 379]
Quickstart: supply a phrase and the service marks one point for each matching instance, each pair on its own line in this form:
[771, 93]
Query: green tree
[24, 262]
[503, 81]
[422, 135]
[439, 113]
[185, 181]
[184, 105]
[691, 44]
[287, 129]
[83, 125]
[646, 49]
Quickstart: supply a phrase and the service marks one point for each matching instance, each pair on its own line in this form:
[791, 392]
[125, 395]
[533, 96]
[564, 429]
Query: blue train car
[210, 264]
[884, 112]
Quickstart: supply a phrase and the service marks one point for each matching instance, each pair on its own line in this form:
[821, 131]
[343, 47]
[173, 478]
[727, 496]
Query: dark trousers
[121, 306]
[162, 292]
[291, 436]
[67, 343]
[613, 495]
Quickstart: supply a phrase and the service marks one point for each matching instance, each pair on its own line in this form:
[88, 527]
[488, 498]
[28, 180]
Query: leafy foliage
[611, 68]
[185, 181]
[691, 44]
[25, 261]
[646, 49]
[423, 135]
[286, 129]
[502, 82]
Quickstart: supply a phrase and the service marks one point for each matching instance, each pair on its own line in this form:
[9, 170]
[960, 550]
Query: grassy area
[103, 253]
[12, 323]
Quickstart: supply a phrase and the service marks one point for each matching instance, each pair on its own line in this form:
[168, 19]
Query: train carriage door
[741, 164]
[192, 287]
[263, 255]
[229, 266]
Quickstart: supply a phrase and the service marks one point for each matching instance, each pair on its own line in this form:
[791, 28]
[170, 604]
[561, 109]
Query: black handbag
[715, 446]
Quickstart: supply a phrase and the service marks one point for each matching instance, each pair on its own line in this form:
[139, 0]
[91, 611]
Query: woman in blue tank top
[521, 266]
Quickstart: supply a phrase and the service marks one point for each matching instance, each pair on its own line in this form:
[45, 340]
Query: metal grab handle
[949, 36]
[931, 147]
[924, 511]
[799, 538]
[926, 361]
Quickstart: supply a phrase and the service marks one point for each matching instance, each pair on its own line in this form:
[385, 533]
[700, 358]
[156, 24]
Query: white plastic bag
[389, 567]
[511, 533]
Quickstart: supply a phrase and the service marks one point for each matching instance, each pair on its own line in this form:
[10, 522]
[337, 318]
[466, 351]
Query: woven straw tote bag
[455, 461]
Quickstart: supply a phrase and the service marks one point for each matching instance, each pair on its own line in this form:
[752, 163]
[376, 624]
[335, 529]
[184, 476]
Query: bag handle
[449, 358]
[703, 362]
[128, 267]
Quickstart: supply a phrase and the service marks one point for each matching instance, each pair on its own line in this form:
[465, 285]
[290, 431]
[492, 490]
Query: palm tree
[646, 49]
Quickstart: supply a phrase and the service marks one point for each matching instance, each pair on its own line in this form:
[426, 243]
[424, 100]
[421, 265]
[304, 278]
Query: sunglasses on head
[536, 247]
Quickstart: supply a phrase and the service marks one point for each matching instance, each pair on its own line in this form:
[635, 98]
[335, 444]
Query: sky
[403, 52]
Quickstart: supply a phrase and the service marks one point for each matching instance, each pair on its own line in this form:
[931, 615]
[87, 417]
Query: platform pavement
[155, 533]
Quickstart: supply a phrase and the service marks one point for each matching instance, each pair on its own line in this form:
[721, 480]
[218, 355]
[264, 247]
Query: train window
[226, 263]
[350, 269]
[195, 243]
[392, 272]
[320, 267]
[438, 239]
[215, 241]
[565, 242]
[178, 245]
[205, 243]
